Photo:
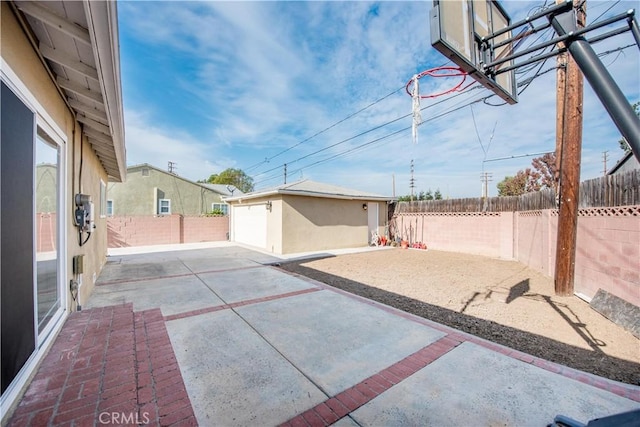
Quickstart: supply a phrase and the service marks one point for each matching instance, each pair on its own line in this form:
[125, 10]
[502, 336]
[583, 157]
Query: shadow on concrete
[593, 361]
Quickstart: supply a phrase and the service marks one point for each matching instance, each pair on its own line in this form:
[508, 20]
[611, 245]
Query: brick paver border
[108, 366]
[347, 401]
[625, 390]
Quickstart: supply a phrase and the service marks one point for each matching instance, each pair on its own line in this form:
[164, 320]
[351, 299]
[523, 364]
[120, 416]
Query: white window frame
[109, 207]
[221, 206]
[103, 199]
[160, 206]
[56, 134]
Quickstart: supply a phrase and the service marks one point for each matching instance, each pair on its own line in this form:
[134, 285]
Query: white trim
[20, 89]
[213, 204]
[55, 133]
[103, 199]
[160, 206]
[23, 377]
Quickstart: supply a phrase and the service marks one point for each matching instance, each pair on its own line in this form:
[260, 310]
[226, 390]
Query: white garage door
[250, 225]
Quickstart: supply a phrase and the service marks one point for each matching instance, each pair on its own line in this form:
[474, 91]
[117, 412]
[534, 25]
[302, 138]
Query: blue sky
[254, 85]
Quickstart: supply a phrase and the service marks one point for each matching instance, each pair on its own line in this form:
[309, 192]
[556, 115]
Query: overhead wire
[360, 134]
[323, 130]
[524, 83]
[381, 138]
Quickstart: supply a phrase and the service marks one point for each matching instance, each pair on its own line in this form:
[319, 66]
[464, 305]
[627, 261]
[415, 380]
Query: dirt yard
[501, 301]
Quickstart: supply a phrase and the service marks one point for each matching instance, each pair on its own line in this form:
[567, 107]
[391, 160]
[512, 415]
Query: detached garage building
[306, 216]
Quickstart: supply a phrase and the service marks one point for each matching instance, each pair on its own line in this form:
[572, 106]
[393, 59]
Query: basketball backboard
[457, 28]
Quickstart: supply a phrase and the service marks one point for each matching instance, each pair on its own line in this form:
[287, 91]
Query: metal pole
[604, 86]
[633, 24]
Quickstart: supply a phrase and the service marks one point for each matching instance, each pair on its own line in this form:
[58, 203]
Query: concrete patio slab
[234, 376]
[215, 263]
[245, 345]
[138, 267]
[474, 383]
[172, 295]
[244, 284]
[336, 341]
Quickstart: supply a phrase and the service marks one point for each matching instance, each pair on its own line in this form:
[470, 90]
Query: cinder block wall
[608, 242]
[124, 231]
[480, 233]
[205, 229]
[609, 252]
[46, 239]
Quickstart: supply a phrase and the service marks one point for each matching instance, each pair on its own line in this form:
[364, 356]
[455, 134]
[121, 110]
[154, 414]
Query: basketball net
[417, 118]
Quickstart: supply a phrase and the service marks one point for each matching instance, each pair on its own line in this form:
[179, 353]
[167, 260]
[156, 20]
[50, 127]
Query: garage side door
[250, 225]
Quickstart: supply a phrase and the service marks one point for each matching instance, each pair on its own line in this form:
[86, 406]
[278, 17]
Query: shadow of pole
[578, 326]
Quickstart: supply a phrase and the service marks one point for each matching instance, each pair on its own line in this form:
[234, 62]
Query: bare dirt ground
[501, 301]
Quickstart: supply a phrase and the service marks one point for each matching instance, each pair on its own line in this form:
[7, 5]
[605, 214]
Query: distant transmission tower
[172, 167]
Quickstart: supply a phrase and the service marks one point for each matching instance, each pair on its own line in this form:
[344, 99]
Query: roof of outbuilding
[310, 188]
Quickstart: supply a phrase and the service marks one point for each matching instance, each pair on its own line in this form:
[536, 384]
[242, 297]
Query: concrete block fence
[124, 231]
[608, 242]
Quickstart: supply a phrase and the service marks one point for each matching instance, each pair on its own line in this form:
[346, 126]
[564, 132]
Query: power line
[360, 134]
[382, 138]
[266, 160]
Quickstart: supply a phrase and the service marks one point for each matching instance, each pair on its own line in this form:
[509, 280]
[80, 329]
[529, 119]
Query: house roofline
[306, 193]
[147, 165]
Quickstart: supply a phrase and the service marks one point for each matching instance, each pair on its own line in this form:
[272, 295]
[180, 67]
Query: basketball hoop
[445, 71]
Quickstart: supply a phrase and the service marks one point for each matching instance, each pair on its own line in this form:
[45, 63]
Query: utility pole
[569, 147]
[285, 173]
[485, 178]
[604, 161]
[412, 181]
[393, 185]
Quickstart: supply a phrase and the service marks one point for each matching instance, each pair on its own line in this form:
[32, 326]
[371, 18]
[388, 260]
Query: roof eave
[102, 22]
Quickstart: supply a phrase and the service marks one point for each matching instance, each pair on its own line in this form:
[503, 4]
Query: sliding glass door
[47, 192]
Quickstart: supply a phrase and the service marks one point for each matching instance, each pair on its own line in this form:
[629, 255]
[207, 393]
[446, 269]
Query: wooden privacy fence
[608, 191]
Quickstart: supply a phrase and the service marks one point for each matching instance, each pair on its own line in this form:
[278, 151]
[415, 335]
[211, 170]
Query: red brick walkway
[108, 366]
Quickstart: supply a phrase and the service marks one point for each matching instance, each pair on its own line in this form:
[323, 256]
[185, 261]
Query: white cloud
[151, 143]
[263, 76]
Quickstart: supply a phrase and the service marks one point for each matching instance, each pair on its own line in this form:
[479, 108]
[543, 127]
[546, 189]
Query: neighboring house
[306, 216]
[627, 163]
[62, 133]
[153, 191]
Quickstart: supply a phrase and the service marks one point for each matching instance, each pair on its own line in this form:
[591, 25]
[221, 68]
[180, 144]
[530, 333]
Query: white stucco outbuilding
[306, 216]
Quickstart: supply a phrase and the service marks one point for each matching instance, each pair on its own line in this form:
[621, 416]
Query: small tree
[235, 177]
[437, 195]
[543, 175]
[513, 185]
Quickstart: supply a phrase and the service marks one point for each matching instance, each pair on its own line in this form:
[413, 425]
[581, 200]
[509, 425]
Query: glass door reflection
[47, 252]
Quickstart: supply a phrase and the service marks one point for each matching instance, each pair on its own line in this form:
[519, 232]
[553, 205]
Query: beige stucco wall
[25, 63]
[314, 223]
[139, 194]
[274, 225]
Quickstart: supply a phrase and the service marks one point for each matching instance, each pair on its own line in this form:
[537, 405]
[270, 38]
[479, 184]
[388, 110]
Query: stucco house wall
[29, 84]
[146, 185]
[306, 216]
[312, 223]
